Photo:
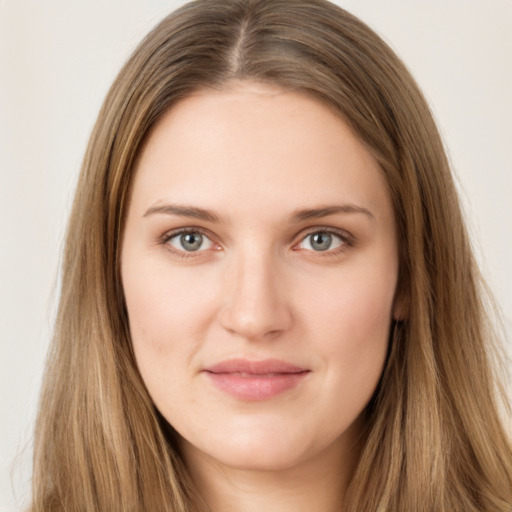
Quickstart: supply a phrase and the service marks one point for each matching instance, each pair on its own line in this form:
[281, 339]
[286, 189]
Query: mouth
[255, 380]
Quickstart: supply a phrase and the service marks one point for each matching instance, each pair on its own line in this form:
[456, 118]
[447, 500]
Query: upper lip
[262, 367]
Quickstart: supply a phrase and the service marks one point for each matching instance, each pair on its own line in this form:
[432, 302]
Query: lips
[255, 380]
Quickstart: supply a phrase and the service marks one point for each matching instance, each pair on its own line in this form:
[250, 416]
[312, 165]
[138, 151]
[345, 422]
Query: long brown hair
[433, 439]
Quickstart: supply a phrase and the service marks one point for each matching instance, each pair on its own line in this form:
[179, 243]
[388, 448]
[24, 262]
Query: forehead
[258, 142]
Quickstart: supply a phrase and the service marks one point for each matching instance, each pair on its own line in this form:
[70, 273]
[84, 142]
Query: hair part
[433, 439]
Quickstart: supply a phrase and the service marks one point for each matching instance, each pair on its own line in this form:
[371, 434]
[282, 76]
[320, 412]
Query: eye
[322, 241]
[189, 241]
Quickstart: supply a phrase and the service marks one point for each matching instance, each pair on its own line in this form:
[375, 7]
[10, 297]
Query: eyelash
[167, 237]
[346, 239]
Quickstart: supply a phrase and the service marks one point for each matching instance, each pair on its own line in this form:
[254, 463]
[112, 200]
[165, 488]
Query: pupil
[321, 241]
[191, 241]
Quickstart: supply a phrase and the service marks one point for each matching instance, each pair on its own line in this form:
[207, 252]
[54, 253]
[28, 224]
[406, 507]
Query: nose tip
[251, 328]
[255, 307]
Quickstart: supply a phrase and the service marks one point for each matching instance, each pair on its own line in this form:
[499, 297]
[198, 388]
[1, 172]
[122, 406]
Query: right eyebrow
[183, 211]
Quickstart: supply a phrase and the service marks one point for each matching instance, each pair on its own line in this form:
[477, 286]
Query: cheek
[354, 306]
[166, 318]
[163, 304]
[168, 314]
[351, 324]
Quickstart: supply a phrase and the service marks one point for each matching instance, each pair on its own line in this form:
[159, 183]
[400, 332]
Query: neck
[316, 484]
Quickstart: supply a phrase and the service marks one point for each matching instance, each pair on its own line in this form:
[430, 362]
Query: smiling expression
[259, 266]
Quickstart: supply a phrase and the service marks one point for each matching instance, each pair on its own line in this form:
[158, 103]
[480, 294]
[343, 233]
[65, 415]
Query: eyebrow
[183, 211]
[299, 215]
[317, 213]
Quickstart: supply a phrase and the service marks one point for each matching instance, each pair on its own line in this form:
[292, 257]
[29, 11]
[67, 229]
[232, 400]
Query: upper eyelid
[188, 229]
[342, 233]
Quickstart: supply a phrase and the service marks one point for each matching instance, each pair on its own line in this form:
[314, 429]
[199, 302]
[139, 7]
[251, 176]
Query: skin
[258, 287]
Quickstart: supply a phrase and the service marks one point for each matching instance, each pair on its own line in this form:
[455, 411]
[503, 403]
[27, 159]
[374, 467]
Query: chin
[270, 449]
[267, 458]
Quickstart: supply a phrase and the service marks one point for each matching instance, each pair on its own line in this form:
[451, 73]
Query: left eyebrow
[317, 213]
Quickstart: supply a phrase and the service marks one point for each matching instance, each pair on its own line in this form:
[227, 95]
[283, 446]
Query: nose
[255, 306]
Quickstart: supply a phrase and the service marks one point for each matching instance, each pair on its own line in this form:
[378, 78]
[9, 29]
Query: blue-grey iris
[321, 241]
[191, 241]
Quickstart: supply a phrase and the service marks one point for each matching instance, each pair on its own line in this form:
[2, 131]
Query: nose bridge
[256, 303]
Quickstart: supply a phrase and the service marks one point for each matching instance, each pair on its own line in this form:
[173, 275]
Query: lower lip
[255, 387]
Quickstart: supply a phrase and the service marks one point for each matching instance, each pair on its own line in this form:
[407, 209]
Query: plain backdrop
[57, 60]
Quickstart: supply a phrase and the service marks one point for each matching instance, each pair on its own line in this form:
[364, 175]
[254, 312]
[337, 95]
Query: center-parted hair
[433, 440]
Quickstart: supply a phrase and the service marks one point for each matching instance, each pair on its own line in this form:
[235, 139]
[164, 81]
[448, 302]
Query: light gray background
[57, 59]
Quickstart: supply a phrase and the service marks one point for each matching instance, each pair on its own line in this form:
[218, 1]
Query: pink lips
[255, 380]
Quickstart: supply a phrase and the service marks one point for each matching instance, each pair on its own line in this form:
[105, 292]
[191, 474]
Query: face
[259, 266]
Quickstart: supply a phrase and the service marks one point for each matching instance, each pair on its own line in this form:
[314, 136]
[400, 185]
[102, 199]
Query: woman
[269, 300]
